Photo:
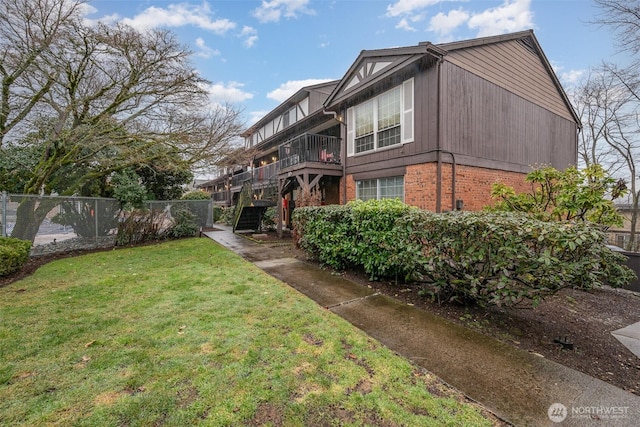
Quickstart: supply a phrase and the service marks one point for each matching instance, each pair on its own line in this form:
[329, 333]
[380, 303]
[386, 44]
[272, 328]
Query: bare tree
[623, 136]
[622, 130]
[28, 29]
[623, 17]
[609, 105]
[594, 101]
[106, 98]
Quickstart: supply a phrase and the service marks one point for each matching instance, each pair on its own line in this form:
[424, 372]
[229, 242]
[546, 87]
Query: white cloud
[405, 7]
[512, 15]
[571, 77]
[568, 78]
[254, 116]
[205, 51]
[178, 15]
[274, 10]
[250, 35]
[286, 90]
[227, 92]
[87, 9]
[444, 24]
[404, 25]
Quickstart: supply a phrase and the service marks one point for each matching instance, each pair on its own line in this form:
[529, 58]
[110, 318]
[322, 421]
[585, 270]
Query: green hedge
[358, 234]
[14, 254]
[480, 257]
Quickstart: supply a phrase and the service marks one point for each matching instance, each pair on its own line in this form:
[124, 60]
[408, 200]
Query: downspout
[439, 139]
[453, 174]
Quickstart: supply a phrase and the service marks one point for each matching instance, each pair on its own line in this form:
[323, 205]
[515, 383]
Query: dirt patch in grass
[267, 415]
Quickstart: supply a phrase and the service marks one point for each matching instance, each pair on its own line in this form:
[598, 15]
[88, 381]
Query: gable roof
[374, 65]
[322, 89]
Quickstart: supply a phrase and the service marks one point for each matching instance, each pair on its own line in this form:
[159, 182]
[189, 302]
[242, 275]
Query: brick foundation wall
[473, 186]
[351, 188]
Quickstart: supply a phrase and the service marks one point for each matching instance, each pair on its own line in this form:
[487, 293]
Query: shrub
[184, 224]
[572, 194]
[269, 219]
[200, 208]
[227, 215]
[375, 244]
[82, 217]
[196, 195]
[497, 258]
[129, 190]
[14, 254]
[508, 258]
[218, 212]
[308, 197]
[359, 234]
[325, 232]
[140, 225]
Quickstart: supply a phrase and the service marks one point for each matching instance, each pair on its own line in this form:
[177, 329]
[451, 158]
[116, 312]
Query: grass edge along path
[187, 332]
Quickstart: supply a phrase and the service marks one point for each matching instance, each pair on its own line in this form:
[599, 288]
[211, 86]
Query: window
[381, 188]
[364, 127]
[383, 121]
[389, 118]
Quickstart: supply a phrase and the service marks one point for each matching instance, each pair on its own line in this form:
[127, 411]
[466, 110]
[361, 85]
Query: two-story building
[434, 125]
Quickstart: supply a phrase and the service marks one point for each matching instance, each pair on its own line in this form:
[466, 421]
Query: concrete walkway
[629, 336]
[522, 388]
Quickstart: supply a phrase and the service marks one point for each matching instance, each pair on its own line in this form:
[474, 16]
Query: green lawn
[186, 332]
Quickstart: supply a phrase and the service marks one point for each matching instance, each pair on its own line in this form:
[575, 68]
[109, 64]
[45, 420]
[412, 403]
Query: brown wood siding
[513, 66]
[315, 101]
[425, 130]
[485, 121]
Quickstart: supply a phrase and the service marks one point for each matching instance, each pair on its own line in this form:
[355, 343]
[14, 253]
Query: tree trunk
[29, 216]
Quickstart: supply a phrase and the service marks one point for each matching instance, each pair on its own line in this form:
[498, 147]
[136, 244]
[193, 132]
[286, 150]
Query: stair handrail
[244, 199]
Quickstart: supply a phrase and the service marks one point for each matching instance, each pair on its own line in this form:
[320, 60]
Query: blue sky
[258, 53]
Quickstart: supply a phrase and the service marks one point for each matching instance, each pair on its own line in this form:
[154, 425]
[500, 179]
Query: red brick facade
[473, 186]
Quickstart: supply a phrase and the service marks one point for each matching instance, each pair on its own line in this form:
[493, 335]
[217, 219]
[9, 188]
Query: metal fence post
[4, 214]
[95, 215]
[210, 215]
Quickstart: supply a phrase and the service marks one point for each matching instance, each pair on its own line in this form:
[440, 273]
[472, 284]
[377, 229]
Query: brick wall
[351, 188]
[473, 185]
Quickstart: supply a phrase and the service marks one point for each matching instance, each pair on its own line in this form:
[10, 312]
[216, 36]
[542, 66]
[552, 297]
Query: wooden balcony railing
[304, 148]
[309, 147]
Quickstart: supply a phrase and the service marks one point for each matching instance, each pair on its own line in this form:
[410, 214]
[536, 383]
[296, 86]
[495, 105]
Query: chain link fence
[62, 224]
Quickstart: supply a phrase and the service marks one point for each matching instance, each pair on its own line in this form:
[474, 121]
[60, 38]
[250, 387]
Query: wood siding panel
[485, 121]
[513, 66]
[425, 129]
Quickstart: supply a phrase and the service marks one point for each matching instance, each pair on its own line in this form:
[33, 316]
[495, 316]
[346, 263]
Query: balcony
[309, 148]
[220, 197]
[295, 154]
[262, 174]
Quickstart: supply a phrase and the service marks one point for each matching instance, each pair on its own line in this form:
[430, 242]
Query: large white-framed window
[383, 121]
[380, 188]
